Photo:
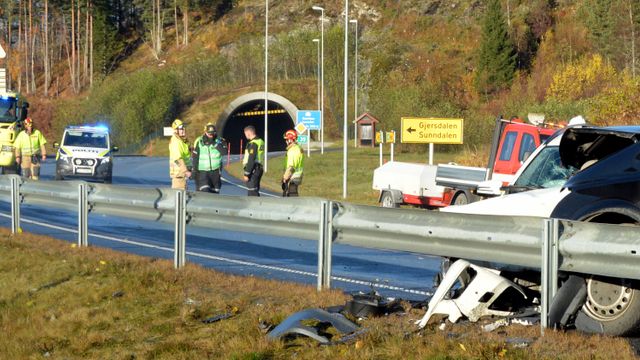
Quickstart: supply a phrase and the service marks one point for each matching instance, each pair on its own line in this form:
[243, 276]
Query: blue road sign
[311, 118]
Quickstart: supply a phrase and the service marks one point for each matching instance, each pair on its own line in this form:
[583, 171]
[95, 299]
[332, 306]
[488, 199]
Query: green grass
[323, 173]
[61, 302]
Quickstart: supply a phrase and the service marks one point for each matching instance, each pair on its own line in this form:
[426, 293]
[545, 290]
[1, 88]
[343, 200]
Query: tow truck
[437, 186]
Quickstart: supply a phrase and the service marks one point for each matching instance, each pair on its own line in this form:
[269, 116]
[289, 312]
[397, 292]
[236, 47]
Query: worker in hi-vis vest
[179, 156]
[294, 165]
[252, 161]
[207, 160]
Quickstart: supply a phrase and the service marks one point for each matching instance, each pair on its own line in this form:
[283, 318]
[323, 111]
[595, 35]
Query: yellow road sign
[379, 137]
[431, 130]
[390, 137]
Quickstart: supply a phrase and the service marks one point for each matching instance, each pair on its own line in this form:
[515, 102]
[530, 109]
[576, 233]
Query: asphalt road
[392, 273]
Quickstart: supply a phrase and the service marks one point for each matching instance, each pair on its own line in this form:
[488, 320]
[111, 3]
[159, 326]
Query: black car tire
[460, 198]
[107, 180]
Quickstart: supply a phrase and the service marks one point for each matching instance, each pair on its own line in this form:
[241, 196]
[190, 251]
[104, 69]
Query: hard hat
[177, 124]
[210, 129]
[291, 135]
[28, 121]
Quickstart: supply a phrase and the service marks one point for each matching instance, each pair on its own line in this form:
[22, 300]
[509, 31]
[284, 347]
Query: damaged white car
[586, 174]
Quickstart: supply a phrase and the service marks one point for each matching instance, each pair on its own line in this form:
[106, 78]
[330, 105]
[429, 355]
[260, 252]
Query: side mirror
[115, 149]
[56, 145]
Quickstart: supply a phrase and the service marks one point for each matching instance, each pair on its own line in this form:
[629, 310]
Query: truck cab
[13, 110]
[517, 143]
[85, 152]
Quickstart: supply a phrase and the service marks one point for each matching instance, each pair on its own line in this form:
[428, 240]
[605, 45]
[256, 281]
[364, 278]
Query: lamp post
[266, 85]
[321, 9]
[355, 87]
[346, 87]
[317, 41]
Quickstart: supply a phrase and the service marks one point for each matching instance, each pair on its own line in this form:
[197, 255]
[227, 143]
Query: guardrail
[547, 244]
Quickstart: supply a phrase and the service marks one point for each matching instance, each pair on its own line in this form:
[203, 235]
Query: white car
[85, 152]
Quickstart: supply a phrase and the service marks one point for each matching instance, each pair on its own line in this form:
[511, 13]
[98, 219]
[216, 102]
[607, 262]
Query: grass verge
[63, 302]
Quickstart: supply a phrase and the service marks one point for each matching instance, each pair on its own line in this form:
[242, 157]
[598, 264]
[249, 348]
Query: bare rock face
[431, 8]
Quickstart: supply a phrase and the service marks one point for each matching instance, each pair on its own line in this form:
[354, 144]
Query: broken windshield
[7, 109]
[545, 170]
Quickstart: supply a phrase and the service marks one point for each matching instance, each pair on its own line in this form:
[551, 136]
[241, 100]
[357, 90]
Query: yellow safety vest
[29, 144]
[178, 149]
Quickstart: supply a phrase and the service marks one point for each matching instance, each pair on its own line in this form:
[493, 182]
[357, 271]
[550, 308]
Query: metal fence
[547, 244]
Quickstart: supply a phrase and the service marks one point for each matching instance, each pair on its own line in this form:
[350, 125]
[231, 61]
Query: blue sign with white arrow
[310, 118]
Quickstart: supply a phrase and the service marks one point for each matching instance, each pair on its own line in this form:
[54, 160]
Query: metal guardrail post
[324, 245]
[83, 215]
[549, 273]
[15, 205]
[180, 229]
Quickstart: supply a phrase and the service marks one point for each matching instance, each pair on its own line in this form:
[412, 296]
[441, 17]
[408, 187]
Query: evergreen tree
[599, 19]
[497, 59]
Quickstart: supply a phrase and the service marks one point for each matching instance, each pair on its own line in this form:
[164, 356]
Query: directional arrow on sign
[410, 130]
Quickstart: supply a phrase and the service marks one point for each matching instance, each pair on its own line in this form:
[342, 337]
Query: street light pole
[266, 85]
[317, 41]
[321, 9]
[346, 87]
[355, 100]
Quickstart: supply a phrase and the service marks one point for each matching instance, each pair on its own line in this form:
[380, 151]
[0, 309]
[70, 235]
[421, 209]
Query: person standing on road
[30, 150]
[252, 161]
[179, 156]
[294, 164]
[207, 160]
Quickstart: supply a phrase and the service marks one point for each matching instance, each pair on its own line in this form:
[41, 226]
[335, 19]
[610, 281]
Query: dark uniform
[207, 160]
[252, 161]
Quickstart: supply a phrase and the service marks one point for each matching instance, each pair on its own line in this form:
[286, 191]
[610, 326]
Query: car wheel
[460, 199]
[614, 303]
[387, 200]
[107, 180]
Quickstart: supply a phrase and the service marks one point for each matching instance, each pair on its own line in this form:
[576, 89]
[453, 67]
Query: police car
[85, 152]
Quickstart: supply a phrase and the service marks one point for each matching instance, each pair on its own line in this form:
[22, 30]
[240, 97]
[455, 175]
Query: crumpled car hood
[538, 203]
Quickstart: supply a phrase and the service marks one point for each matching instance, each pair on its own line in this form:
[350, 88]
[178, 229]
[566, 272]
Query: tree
[497, 58]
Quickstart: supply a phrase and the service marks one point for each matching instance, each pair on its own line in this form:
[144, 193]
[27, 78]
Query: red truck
[433, 186]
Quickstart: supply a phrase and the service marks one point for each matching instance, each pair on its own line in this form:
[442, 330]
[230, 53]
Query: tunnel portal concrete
[249, 110]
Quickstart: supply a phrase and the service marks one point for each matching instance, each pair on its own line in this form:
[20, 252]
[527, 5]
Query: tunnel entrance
[249, 110]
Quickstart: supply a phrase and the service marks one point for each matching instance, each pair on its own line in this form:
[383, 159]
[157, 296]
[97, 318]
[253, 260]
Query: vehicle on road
[85, 152]
[587, 174]
[435, 186]
[13, 110]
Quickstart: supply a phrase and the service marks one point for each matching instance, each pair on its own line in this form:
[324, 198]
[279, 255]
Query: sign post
[431, 131]
[391, 139]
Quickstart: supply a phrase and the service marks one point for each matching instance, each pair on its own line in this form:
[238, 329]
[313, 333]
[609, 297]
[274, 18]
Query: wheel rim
[607, 301]
[387, 201]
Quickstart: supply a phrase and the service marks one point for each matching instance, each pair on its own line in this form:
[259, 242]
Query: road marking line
[232, 261]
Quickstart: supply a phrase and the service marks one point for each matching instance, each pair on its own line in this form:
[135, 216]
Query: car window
[507, 145]
[7, 109]
[527, 147]
[85, 139]
[545, 170]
